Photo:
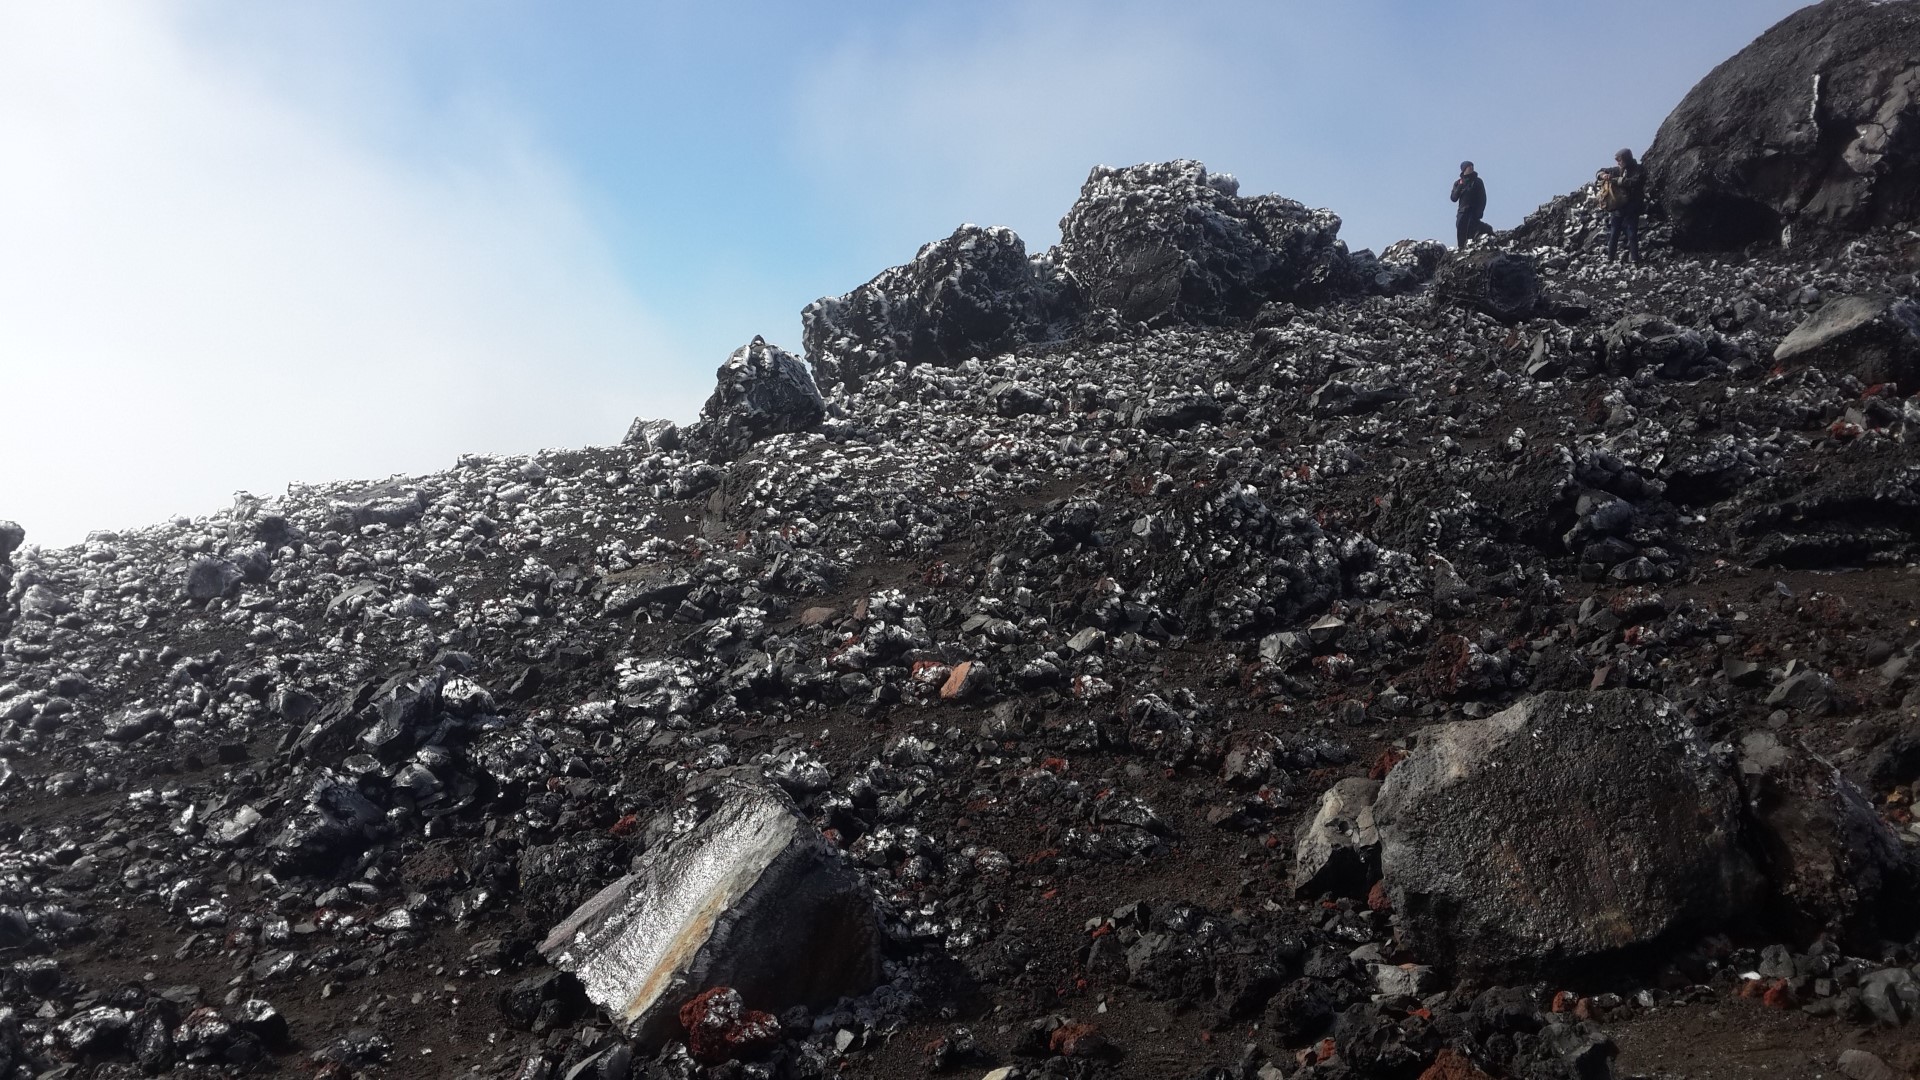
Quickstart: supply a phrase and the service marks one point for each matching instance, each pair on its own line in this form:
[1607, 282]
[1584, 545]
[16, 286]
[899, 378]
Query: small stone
[720, 1027]
[1857, 1064]
[968, 680]
[1077, 1040]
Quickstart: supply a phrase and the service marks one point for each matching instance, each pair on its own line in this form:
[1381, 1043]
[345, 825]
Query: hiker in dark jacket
[1623, 194]
[1470, 192]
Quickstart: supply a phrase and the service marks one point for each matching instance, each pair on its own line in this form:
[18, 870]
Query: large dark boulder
[763, 391]
[976, 293]
[1816, 125]
[1172, 242]
[1874, 338]
[1501, 284]
[1836, 867]
[1566, 828]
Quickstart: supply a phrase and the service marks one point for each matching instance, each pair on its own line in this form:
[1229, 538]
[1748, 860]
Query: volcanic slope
[1062, 647]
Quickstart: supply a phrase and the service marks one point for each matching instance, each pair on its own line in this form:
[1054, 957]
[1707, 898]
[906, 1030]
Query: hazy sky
[244, 244]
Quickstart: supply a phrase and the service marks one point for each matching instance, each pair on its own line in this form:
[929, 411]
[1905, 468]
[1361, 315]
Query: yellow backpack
[1613, 193]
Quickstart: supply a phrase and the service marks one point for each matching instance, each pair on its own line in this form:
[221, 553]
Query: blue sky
[249, 243]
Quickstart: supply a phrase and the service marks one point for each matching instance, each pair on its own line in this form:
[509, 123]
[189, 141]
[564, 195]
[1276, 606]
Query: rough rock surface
[1338, 849]
[1566, 828]
[976, 293]
[1172, 242]
[1835, 865]
[1499, 283]
[762, 391]
[1813, 127]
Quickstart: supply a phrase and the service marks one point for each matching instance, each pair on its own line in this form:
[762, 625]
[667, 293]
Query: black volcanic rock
[1646, 341]
[1567, 827]
[976, 293]
[1409, 264]
[1173, 242]
[1836, 867]
[1502, 284]
[1812, 126]
[763, 391]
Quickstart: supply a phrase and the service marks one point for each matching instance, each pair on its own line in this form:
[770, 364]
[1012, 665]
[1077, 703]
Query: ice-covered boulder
[1172, 242]
[975, 293]
[1815, 125]
[751, 897]
[763, 390]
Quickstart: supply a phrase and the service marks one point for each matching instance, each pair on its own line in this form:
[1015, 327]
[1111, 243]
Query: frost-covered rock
[975, 293]
[1173, 242]
[751, 898]
[763, 391]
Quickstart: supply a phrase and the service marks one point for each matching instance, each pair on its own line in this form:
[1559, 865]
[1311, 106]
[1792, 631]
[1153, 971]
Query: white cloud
[208, 284]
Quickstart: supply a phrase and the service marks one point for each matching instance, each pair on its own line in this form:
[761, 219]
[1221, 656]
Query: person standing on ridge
[1623, 195]
[1470, 192]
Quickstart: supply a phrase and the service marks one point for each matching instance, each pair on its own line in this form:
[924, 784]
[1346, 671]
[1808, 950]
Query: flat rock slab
[1567, 827]
[1873, 338]
[751, 898]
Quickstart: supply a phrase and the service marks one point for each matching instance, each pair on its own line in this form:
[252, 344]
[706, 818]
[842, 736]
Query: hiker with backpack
[1623, 195]
[1470, 192]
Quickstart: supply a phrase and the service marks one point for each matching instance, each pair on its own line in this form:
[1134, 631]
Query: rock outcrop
[1813, 127]
[1172, 242]
[1503, 284]
[763, 391]
[976, 293]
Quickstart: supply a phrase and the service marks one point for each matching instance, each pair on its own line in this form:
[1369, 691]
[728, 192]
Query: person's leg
[1633, 239]
[1613, 232]
[1462, 231]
